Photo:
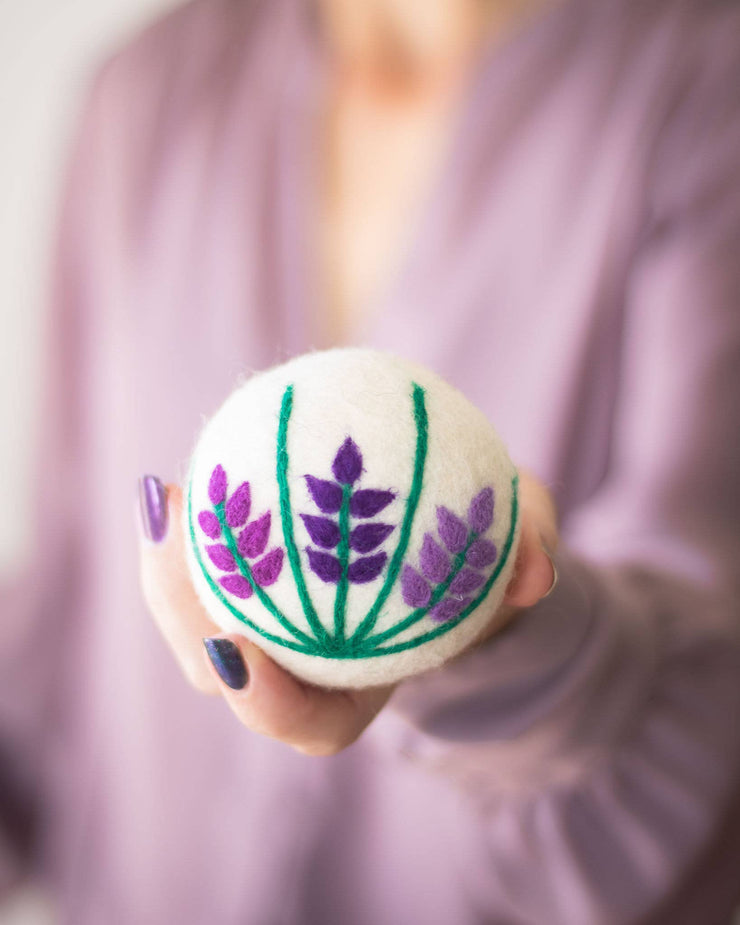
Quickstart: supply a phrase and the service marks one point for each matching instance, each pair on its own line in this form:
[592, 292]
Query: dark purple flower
[347, 464]
[480, 513]
[435, 563]
[217, 485]
[323, 564]
[366, 569]
[221, 557]
[448, 609]
[237, 585]
[322, 530]
[327, 496]
[481, 554]
[415, 590]
[209, 524]
[253, 538]
[367, 502]
[465, 581]
[452, 530]
[366, 537]
[238, 505]
[267, 570]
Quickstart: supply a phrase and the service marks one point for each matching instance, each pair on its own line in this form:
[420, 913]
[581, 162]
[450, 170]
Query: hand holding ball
[352, 514]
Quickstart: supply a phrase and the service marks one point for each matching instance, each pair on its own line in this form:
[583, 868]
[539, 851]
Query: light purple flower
[453, 531]
[480, 513]
[434, 561]
[414, 588]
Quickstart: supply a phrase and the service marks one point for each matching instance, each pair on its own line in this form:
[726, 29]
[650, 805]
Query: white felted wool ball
[352, 514]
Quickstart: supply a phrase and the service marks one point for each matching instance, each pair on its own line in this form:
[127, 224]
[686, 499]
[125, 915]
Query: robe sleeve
[596, 740]
[39, 604]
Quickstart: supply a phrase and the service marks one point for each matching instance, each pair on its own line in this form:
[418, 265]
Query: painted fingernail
[228, 662]
[153, 508]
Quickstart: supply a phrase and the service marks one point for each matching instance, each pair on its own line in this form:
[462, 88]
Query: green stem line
[422, 440]
[340, 601]
[246, 571]
[451, 624]
[421, 612]
[286, 517]
[288, 643]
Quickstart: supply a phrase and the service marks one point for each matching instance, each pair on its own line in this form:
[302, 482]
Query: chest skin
[380, 149]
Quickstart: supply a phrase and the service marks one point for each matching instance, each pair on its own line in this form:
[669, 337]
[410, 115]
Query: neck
[405, 41]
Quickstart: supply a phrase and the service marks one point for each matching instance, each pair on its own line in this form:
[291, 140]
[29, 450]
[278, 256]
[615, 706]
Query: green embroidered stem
[422, 423]
[421, 612]
[450, 624]
[246, 571]
[287, 643]
[286, 516]
[340, 601]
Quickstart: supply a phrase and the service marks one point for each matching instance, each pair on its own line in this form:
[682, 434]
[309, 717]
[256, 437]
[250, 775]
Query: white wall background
[48, 49]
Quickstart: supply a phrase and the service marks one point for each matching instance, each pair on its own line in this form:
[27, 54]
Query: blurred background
[48, 50]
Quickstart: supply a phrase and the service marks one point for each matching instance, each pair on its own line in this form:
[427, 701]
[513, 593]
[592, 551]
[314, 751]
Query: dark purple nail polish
[228, 662]
[153, 507]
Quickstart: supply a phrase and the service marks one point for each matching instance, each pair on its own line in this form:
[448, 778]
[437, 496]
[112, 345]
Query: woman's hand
[265, 697]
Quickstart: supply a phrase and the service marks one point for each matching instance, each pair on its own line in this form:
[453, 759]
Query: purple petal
[435, 563]
[209, 524]
[367, 536]
[253, 538]
[367, 502]
[267, 570]
[221, 557]
[416, 592]
[452, 530]
[326, 566]
[480, 513]
[238, 505]
[327, 496]
[465, 581]
[481, 554]
[322, 530]
[367, 568]
[448, 609]
[347, 464]
[237, 585]
[217, 485]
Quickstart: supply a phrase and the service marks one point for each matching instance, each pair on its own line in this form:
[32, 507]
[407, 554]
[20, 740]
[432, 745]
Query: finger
[272, 702]
[166, 584]
[534, 571]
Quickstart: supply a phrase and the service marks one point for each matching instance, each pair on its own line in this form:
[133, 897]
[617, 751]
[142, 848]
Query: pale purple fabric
[575, 271]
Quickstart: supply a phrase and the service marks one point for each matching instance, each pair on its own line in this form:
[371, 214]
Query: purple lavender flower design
[234, 554]
[451, 570]
[338, 496]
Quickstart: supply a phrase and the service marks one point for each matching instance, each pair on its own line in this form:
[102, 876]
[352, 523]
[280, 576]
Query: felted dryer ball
[354, 515]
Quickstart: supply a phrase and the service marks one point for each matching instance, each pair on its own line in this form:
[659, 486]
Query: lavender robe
[575, 271]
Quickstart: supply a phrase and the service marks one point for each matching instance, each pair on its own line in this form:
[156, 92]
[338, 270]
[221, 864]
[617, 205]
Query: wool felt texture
[354, 515]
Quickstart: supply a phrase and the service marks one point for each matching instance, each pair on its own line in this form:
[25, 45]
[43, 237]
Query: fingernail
[554, 571]
[153, 508]
[228, 662]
